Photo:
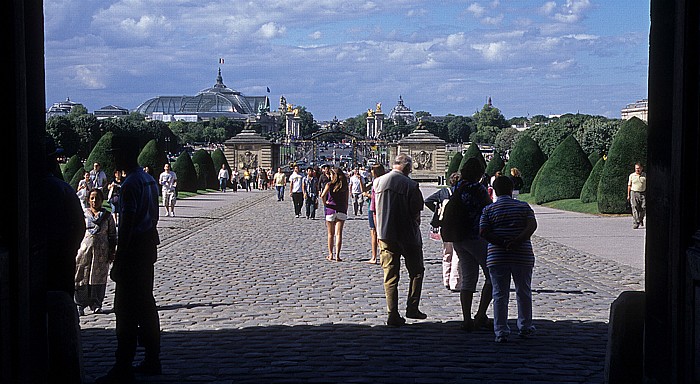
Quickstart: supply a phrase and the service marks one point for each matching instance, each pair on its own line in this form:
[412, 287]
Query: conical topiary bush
[589, 192]
[100, 154]
[528, 158]
[563, 175]
[186, 173]
[454, 166]
[593, 157]
[206, 170]
[72, 166]
[473, 151]
[496, 164]
[628, 147]
[152, 157]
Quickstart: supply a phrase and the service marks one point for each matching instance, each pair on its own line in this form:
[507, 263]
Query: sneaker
[297, 216]
[416, 314]
[149, 368]
[395, 321]
[635, 226]
[526, 333]
[501, 339]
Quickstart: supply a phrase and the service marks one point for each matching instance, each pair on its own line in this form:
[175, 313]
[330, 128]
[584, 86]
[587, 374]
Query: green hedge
[72, 166]
[186, 173]
[528, 158]
[454, 166]
[629, 146]
[496, 164]
[152, 157]
[206, 174]
[473, 151]
[100, 154]
[594, 157]
[563, 175]
[589, 193]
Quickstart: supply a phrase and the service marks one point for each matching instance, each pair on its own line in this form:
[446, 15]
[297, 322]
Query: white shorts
[337, 216]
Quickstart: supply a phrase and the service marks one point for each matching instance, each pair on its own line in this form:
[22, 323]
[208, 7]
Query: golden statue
[289, 107]
[296, 112]
[370, 113]
[379, 107]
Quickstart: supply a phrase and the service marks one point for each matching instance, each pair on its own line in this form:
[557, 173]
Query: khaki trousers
[390, 253]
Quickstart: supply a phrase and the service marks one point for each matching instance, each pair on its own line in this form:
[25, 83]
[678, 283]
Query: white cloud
[271, 30]
[476, 9]
[316, 35]
[572, 11]
[491, 51]
[548, 7]
[495, 20]
[88, 77]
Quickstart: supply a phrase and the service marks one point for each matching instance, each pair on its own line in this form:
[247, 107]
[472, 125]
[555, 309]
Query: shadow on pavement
[421, 352]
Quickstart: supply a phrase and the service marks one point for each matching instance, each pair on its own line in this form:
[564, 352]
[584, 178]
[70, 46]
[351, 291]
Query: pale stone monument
[428, 153]
[250, 150]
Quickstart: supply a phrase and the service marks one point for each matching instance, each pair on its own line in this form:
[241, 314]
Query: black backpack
[452, 227]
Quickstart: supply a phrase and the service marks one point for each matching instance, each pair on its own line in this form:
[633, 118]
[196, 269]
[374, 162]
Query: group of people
[258, 178]
[123, 238]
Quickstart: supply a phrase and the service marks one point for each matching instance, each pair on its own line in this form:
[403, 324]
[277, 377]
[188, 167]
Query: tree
[550, 135]
[505, 139]
[528, 158]
[437, 129]
[60, 129]
[597, 134]
[459, 128]
[589, 192]
[628, 147]
[89, 130]
[563, 175]
[206, 174]
[186, 173]
[489, 122]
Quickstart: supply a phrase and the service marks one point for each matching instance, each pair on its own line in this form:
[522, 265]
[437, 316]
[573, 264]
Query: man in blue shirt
[134, 304]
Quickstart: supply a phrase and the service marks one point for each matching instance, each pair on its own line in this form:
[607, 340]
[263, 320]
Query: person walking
[517, 180]
[398, 203]
[295, 191]
[335, 196]
[280, 180]
[83, 190]
[460, 225]
[223, 178]
[377, 171]
[451, 276]
[113, 195]
[95, 255]
[310, 188]
[98, 177]
[234, 180]
[356, 190]
[132, 270]
[168, 183]
[247, 180]
[508, 225]
[636, 194]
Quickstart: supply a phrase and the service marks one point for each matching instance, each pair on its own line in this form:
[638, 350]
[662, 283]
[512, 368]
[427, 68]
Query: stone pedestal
[427, 151]
[250, 150]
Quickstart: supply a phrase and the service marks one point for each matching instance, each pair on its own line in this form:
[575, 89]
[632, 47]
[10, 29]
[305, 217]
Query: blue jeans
[280, 192]
[522, 278]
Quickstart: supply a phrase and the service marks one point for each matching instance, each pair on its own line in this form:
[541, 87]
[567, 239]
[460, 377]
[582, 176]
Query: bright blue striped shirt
[507, 218]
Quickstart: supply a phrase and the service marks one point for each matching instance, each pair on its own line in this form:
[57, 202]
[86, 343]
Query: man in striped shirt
[508, 225]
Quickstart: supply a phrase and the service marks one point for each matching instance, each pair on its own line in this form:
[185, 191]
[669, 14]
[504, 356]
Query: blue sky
[341, 57]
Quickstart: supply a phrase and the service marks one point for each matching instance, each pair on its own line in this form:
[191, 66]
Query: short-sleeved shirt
[168, 180]
[507, 218]
[638, 182]
[280, 179]
[98, 178]
[355, 185]
[295, 182]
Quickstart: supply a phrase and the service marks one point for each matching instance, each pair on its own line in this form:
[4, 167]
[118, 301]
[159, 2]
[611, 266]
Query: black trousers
[298, 199]
[136, 311]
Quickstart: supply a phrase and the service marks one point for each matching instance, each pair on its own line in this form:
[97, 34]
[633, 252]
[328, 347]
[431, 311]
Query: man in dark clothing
[134, 305]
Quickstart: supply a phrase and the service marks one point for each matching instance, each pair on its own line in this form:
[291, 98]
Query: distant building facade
[400, 111]
[639, 109]
[61, 108]
[110, 111]
[216, 101]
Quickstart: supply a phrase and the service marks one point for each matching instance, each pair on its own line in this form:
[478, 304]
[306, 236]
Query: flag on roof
[221, 61]
[268, 89]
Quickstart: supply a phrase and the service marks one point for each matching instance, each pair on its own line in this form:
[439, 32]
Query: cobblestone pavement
[245, 295]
